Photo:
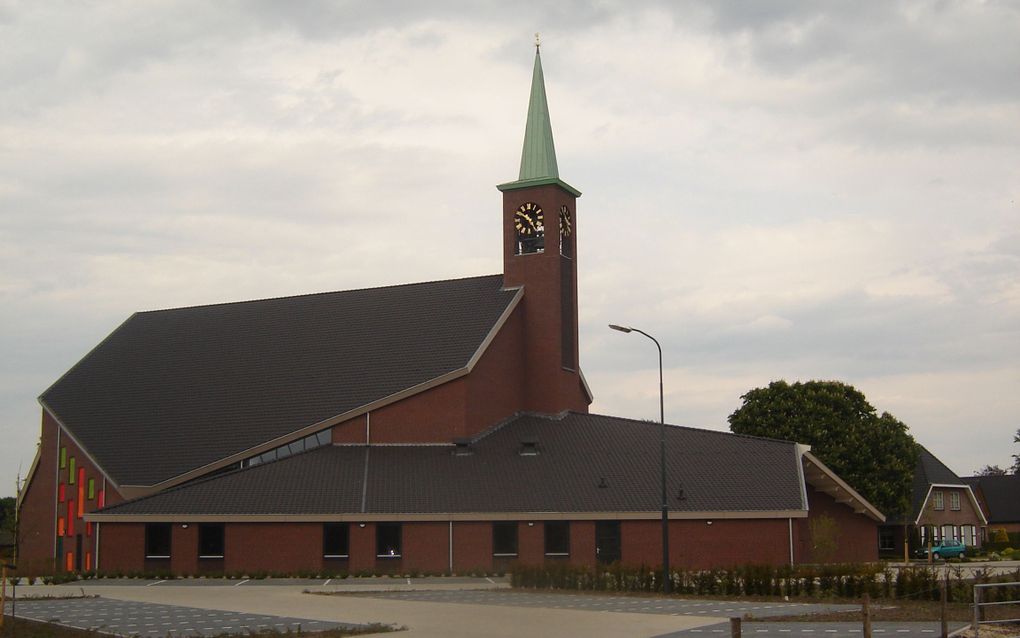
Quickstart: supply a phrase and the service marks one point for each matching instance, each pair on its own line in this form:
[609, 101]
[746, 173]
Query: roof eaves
[866, 507]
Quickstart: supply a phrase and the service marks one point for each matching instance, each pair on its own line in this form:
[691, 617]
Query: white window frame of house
[949, 532]
[969, 536]
[939, 500]
[954, 501]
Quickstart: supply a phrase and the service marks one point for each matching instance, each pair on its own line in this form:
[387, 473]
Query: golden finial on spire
[538, 41]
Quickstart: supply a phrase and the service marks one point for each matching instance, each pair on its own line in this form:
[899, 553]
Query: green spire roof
[538, 158]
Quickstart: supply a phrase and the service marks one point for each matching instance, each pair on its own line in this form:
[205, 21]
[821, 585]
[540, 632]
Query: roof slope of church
[173, 390]
[1001, 495]
[584, 464]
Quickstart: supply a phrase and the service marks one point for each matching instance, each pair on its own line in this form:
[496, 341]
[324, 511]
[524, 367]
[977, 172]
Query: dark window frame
[332, 546]
[158, 536]
[388, 528]
[207, 544]
[556, 543]
[501, 532]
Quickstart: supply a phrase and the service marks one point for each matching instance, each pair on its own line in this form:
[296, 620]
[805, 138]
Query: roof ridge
[686, 427]
[313, 294]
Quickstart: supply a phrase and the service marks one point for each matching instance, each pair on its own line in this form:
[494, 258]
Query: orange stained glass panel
[69, 562]
[81, 492]
[60, 526]
[88, 561]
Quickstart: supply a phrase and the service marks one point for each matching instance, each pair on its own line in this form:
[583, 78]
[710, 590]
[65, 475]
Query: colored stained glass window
[88, 561]
[70, 471]
[92, 488]
[81, 492]
[61, 493]
[60, 526]
[102, 498]
[69, 562]
[63, 457]
[88, 528]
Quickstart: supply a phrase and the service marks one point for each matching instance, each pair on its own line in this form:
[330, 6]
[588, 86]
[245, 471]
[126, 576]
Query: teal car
[944, 549]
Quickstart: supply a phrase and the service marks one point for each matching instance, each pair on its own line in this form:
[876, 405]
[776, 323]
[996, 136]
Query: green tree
[873, 453]
[1016, 457]
[990, 470]
[7, 505]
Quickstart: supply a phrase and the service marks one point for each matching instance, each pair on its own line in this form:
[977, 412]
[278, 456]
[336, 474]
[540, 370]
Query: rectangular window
[101, 501]
[157, 540]
[954, 501]
[63, 457]
[557, 538]
[88, 561]
[968, 535]
[387, 540]
[504, 538]
[70, 471]
[335, 540]
[69, 562]
[886, 539]
[210, 540]
[940, 502]
[62, 493]
[60, 526]
[92, 489]
[88, 528]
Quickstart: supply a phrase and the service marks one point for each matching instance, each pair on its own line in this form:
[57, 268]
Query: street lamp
[662, 461]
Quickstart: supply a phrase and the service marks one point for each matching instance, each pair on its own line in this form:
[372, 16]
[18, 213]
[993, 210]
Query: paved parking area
[821, 630]
[623, 604]
[127, 618]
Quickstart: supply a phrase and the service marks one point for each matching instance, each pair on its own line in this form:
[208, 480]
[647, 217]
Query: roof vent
[462, 447]
[529, 447]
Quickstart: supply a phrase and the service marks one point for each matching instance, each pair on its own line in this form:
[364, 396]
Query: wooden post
[943, 607]
[977, 605]
[735, 627]
[867, 616]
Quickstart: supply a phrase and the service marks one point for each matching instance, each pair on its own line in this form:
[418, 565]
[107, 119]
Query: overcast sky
[781, 190]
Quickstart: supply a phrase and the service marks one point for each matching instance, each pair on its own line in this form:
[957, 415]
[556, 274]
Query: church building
[437, 426]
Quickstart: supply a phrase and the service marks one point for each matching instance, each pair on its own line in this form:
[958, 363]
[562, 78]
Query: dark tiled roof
[928, 471]
[1001, 496]
[173, 390]
[717, 471]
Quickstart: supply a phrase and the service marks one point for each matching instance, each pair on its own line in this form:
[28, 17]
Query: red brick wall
[362, 548]
[184, 549]
[472, 545]
[856, 534]
[966, 515]
[530, 543]
[273, 547]
[426, 546]
[38, 521]
[495, 387]
[582, 542]
[694, 544]
[122, 547]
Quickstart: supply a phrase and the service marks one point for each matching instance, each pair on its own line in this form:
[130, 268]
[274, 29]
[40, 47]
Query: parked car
[943, 549]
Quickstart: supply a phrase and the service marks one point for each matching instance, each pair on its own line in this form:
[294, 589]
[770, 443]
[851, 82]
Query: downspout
[451, 547]
[368, 428]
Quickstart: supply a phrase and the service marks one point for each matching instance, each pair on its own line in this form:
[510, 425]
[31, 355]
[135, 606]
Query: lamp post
[662, 461]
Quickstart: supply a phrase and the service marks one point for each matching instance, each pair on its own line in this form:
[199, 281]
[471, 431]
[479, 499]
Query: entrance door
[607, 541]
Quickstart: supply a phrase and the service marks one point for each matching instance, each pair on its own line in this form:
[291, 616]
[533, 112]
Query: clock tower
[540, 256]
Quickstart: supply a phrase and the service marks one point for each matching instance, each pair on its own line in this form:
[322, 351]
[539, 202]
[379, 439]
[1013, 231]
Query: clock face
[529, 220]
[566, 225]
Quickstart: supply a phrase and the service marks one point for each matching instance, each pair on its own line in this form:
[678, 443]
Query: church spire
[538, 159]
